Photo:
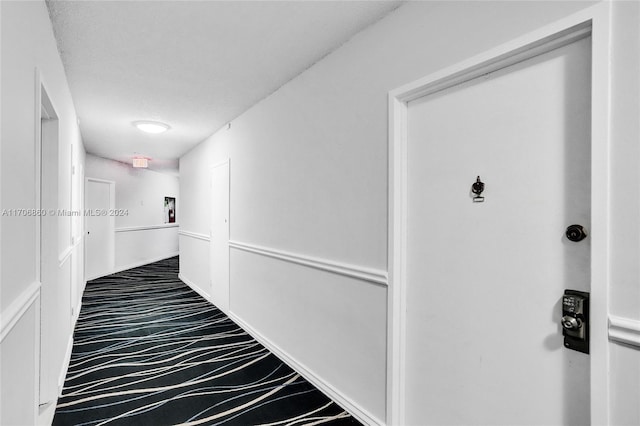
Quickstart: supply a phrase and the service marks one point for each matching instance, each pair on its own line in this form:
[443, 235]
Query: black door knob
[576, 233]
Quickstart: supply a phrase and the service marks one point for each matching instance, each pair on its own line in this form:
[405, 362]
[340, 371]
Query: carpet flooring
[148, 350]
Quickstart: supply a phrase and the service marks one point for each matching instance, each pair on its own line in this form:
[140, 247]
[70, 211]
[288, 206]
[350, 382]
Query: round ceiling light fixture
[154, 127]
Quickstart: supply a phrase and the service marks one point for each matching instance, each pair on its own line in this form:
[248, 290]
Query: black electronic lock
[575, 320]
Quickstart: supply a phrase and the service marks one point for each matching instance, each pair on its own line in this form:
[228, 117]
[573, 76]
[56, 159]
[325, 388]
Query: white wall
[28, 43]
[141, 234]
[309, 177]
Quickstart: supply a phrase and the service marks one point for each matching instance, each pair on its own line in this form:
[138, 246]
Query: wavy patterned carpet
[150, 351]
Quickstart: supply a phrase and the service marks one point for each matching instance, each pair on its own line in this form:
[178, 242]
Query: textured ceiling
[194, 65]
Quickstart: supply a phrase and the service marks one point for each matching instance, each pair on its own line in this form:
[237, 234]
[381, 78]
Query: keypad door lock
[575, 320]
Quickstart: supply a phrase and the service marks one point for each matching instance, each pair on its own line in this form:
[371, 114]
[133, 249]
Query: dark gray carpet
[150, 351]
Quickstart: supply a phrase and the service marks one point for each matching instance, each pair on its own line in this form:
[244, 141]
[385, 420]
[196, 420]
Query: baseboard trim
[46, 412]
[65, 365]
[98, 276]
[194, 287]
[196, 235]
[142, 263]
[146, 227]
[17, 308]
[76, 312]
[349, 405]
[624, 330]
[371, 275]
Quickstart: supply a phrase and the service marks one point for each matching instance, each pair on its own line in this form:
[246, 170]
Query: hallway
[389, 212]
[149, 350]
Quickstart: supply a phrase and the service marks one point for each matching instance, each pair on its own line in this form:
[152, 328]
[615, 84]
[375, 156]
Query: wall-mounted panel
[18, 353]
[141, 245]
[316, 322]
[625, 374]
[194, 261]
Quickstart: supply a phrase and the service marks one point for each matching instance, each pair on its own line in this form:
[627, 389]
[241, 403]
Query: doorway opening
[47, 245]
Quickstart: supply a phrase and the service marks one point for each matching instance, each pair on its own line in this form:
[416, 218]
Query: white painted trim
[110, 182]
[146, 227]
[95, 278]
[38, 352]
[38, 168]
[490, 61]
[396, 258]
[65, 255]
[137, 264]
[222, 163]
[38, 233]
[65, 365]
[84, 287]
[46, 412]
[196, 235]
[600, 16]
[594, 21]
[194, 287]
[76, 312]
[375, 276]
[624, 330]
[347, 403]
[17, 308]
[46, 371]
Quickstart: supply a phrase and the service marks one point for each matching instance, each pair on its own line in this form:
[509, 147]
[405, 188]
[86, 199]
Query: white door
[219, 242]
[99, 229]
[484, 280]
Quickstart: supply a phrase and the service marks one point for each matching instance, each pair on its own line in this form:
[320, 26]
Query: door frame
[112, 225]
[593, 21]
[225, 162]
[47, 277]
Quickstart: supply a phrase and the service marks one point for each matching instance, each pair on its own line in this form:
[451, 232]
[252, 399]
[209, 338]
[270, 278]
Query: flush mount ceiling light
[151, 126]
